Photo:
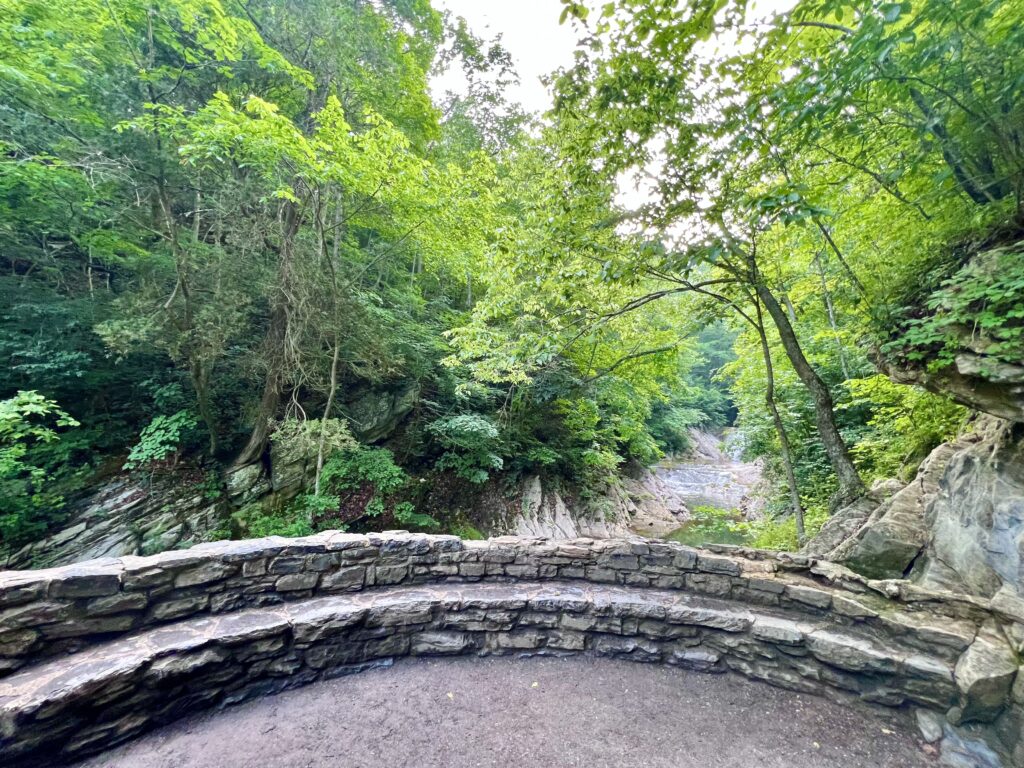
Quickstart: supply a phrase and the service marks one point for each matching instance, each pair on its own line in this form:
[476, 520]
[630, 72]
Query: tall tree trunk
[200, 368]
[850, 485]
[199, 362]
[275, 344]
[790, 309]
[984, 190]
[270, 400]
[780, 429]
[200, 375]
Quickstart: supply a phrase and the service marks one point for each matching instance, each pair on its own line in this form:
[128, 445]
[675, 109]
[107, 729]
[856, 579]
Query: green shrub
[161, 439]
[28, 504]
[471, 444]
[405, 513]
[363, 471]
[364, 482]
[906, 423]
[467, 532]
[256, 522]
[780, 533]
[670, 427]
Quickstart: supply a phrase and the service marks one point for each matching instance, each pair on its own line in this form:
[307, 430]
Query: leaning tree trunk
[321, 445]
[270, 400]
[780, 429]
[850, 485]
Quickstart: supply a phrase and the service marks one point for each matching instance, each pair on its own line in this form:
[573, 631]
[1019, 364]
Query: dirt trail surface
[531, 712]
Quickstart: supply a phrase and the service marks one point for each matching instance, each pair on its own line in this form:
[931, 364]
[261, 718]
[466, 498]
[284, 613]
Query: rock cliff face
[982, 363]
[959, 525]
[976, 519]
[881, 535]
[140, 515]
[643, 504]
[974, 380]
[377, 414]
[129, 516]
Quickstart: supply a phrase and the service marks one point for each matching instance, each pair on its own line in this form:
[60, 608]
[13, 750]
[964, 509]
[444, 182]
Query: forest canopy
[232, 230]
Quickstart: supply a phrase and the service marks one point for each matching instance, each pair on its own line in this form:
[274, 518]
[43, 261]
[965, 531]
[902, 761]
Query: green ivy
[980, 307]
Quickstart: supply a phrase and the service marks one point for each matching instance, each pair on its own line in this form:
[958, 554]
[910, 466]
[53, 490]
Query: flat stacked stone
[221, 622]
[68, 707]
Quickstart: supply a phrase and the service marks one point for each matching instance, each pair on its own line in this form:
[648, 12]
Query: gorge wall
[95, 653]
[131, 515]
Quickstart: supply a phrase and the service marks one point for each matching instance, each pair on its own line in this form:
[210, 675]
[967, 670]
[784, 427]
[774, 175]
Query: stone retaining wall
[198, 617]
[63, 609]
[112, 692]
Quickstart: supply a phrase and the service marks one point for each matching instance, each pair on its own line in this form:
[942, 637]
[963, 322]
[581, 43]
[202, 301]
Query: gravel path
[538, 712]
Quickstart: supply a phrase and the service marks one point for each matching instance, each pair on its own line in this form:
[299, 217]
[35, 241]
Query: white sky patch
[530, 31]
[539, 45]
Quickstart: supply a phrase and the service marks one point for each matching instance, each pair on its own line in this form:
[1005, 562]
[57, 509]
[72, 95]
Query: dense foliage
[224, 225]
[228, 227]
[804, 172]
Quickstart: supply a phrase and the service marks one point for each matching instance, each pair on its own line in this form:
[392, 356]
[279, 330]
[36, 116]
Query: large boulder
[376, 414]
[984, 677]
[841, 528]
[892, 537]
[976, 520]
[958, 525]
[653, 508]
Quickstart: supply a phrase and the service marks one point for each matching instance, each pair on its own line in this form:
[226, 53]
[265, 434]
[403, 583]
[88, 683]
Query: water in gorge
[719, 489]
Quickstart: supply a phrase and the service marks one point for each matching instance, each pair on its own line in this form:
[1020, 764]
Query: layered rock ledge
[96, 653]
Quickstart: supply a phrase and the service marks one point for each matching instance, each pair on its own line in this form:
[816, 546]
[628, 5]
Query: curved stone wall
[151, 638]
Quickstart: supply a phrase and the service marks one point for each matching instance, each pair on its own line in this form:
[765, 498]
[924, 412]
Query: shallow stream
[718, 489]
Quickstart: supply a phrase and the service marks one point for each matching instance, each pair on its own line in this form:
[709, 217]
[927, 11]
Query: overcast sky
[538, 43]
[532, 34]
